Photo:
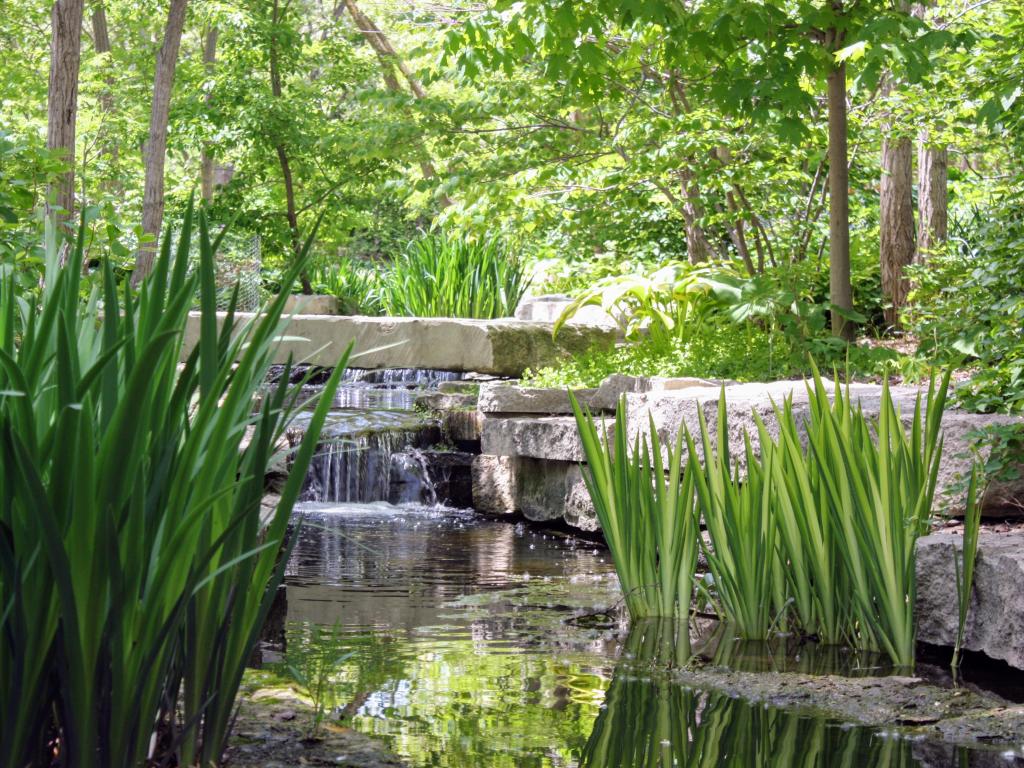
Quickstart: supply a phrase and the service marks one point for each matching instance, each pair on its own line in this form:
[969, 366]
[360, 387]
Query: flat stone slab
[613, 387]
[546, 437]
[912, 707]
[501, 397]
[499, 347]
[995, 618]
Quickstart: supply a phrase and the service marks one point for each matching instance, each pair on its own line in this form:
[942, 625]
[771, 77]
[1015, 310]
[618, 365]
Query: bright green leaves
[813, 531]
[135, 567]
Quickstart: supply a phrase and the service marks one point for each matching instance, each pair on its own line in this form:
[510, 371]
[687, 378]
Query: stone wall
[531, 449]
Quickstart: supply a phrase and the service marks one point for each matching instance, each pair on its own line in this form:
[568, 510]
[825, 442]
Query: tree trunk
[206, 161]
[698, 249]
[932, 197]
[107, 143]
[389, 62]
[156, 144]
[896, 220]
[291, 210]
[840, 289]
[62, 100]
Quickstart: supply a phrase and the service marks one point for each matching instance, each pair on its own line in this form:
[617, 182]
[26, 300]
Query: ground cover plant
[814, 531]
[136, 565]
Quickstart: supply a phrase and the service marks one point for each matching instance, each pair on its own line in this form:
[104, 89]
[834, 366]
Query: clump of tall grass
[645, 505]
[879, 482]
[739, 516]
[135, 568]
[442, 275]
[817, 535]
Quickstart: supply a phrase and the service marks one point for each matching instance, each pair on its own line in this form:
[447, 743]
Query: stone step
[556, 438]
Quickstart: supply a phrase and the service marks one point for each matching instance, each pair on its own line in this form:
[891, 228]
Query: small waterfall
[419, 378]
[374, 466]
[376, 446]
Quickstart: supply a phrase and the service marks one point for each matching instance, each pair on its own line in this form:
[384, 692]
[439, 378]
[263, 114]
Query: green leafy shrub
[135, 566]
[441, 275]
[968, 307]
[668, 305]
[741, 351]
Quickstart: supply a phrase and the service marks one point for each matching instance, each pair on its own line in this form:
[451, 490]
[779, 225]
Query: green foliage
[668, 305]
[644, 502]
[816, 531]
[968, 306]
[355, 285]
[879, 486]
[442, 275]
[135, 569]
[739, 516]
[743, 352]
[964, 562]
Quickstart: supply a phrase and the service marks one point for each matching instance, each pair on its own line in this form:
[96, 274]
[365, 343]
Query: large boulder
[995, 619]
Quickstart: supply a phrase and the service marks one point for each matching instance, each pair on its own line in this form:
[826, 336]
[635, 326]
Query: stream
[462, 642]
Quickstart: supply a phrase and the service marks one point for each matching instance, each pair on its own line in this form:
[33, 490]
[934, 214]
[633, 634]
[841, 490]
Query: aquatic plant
[964, 563]
[442, 275]
[354, 284]
[738, 512]
[814, 531]
[879, 483]
[645, 504]
[135, 564]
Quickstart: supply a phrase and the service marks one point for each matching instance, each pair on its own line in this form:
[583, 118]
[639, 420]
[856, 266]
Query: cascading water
[375, 446]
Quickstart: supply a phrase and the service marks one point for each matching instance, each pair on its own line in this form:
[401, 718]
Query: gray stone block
[995, 620]
[500, 397]
[499, 347]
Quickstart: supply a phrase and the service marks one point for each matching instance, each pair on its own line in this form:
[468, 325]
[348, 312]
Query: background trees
[598, 137]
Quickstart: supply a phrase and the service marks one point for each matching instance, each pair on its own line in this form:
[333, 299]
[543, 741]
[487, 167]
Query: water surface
[451, 638]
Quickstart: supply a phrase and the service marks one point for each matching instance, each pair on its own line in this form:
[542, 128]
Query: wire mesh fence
[238, 262]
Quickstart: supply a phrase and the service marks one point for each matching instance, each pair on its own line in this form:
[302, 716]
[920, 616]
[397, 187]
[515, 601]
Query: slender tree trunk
[108, 146]
[840, 289]
[291, 210]
[896, 221]
[932, 197]
[156, 145]
[62, 100]
[698, 249]
[389, 62]
[206, 160]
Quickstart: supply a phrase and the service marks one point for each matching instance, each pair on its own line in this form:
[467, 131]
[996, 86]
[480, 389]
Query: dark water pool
[447, 636]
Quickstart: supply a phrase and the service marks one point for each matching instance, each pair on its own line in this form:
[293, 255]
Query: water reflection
[648, 721]
[446, 636]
